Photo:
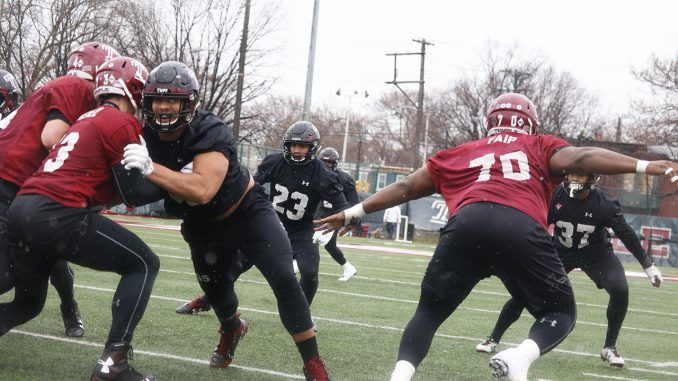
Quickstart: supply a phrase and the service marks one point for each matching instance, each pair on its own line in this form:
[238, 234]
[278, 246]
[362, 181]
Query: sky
[598, 41]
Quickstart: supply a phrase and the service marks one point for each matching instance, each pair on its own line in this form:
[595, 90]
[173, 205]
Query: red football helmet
[512, 112]
[85, 60]
[122, 76]
[10, 94]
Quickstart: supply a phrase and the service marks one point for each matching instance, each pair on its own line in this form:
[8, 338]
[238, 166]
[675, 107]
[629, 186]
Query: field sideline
[360, 324]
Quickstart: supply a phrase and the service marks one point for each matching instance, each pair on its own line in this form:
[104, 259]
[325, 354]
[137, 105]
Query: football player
[10, 95]
[299, 181]
[581, 214]
[33, 130]
[491, 234]
[54, 216]
[330, 157]
[226, 215]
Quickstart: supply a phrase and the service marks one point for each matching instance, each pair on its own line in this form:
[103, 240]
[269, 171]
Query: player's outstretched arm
[606, 162]
[416, 185]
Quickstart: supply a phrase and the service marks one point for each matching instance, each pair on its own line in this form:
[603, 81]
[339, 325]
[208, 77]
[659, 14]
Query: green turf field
[360, 324]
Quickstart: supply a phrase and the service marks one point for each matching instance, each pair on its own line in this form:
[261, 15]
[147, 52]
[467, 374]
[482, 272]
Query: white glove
[136, 156]
[654, 275]
[322, 239]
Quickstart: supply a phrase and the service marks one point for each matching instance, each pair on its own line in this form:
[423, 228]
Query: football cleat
[314, 370]
[194, 306]
[225, 350]
[510, 365]
[349, 272]
[611, 355]
[113, 365]
[487, 346]
[72, 322]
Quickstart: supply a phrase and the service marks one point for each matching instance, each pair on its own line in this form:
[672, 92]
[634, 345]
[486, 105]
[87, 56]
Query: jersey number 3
[299, 206]
[67, 144]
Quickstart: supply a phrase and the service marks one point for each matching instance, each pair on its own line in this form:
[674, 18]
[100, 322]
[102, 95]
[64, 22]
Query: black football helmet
[330, 156]
[10, 95]
[171, 79]
[575, 189]
[301, 132]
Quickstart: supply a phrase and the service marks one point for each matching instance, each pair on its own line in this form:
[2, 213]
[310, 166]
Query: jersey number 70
[485, 162]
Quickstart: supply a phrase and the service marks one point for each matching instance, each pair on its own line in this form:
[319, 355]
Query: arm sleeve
[349, 190]
[331, 189]
[621, 228]
[264, 171]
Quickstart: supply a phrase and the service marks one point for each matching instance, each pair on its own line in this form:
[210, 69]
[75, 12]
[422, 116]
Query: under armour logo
[105, 365]
[552, 322]
[306, 183]
[588, 214]
[117, 302]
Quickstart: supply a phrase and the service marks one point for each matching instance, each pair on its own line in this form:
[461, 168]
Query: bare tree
[203, 34]
[564, 108]
[660, 112]
[36, 36]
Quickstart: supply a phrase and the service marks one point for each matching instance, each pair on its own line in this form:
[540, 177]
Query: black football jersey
[296, 190]
[580, 226]
[205, 133]
[325, 208]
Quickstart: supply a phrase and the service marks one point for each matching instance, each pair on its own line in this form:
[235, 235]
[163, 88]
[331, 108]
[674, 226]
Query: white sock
[530, 349]
[403, 371]
[346, 265]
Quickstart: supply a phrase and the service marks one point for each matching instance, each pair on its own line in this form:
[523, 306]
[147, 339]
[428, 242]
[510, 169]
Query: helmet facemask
[169, 121]
[576, 189]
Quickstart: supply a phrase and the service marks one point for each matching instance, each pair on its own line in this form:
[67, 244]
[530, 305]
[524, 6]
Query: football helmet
[301, 132]
[330, 156]
[171, 79]
[574, 189]
[512, 112]
[85, 60]
[122, 76]
[10, 95]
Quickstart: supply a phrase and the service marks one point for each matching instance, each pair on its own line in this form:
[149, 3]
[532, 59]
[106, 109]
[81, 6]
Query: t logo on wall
[661, 248]
[440, 212]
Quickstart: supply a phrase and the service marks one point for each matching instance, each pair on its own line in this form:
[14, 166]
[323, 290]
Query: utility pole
[241, 73]
[419, 104]
[311, 60]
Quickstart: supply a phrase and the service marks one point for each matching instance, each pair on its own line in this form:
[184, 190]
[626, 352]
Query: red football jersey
[21, 149]
[77, 172]
[507, 168]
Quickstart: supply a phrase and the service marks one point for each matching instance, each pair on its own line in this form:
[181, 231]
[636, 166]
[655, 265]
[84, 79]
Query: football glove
[322, 239]
[136, 156]
[654, 275]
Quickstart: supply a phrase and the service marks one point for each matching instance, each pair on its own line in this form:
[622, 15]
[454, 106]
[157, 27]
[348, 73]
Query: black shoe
[72, 321]
[113, 365]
